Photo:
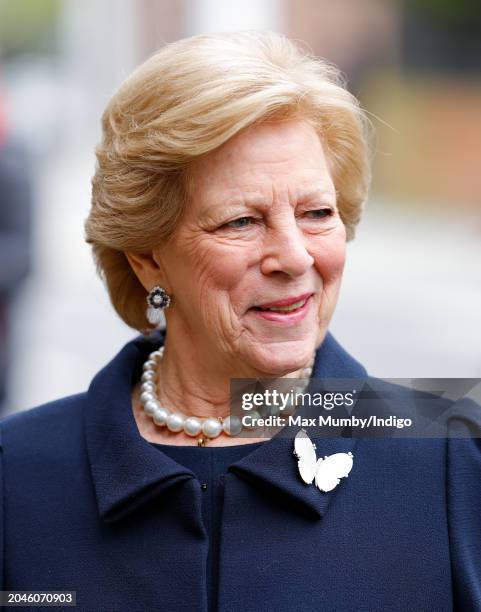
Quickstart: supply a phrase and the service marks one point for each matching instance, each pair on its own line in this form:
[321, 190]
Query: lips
[283, 313]
[285, 305]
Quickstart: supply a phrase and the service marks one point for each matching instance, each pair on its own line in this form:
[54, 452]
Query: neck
[186, 384]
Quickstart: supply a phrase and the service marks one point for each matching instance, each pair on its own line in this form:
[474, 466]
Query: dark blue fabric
[89, 505]
[210, 465]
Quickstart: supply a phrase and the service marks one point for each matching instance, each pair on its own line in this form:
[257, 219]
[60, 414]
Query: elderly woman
[232, 170]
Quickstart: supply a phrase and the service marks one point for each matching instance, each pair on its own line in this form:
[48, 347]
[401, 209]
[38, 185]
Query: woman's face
[255, 266]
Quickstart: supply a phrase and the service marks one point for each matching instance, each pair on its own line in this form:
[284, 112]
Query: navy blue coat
[90, 506]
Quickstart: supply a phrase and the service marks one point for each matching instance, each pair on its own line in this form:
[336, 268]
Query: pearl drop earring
[158, 300]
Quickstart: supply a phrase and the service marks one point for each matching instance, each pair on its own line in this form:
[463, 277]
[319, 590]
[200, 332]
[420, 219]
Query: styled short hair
[185, 101]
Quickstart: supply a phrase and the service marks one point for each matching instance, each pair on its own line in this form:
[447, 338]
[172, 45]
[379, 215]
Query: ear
[148, 269]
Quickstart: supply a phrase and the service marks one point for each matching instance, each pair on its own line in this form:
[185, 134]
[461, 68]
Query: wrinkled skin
[262, 225]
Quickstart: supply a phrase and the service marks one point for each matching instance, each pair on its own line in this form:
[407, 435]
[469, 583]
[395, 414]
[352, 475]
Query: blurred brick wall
[161, 21]
[354, 34]
[433, 152]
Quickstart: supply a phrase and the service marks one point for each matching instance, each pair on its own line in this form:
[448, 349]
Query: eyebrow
[256, 199]
[318, 192]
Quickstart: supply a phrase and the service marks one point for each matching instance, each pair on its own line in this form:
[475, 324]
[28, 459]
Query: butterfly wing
[331, 469]
[306, 454]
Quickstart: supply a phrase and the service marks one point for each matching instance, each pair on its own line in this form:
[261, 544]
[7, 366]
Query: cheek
[223, 269]
[329, 260]
[214, 270]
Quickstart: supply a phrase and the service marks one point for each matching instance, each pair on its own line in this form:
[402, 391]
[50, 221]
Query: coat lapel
[273, 466]
[127, 471]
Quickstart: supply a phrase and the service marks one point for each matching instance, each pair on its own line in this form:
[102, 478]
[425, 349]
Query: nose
[285, 251]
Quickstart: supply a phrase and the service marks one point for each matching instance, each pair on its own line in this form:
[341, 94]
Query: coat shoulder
[52, 429]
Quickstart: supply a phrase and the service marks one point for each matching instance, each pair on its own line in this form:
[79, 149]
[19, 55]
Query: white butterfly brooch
[326, 471]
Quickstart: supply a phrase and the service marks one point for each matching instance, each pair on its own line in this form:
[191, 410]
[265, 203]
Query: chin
[283, 358]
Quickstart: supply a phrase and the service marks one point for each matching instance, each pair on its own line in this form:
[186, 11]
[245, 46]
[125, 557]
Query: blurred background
[411, 300]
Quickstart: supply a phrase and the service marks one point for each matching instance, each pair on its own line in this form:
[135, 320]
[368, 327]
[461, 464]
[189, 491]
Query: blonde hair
[187, 100]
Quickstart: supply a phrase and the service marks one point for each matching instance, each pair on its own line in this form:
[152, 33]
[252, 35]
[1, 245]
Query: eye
[320, 213]
[240, 222]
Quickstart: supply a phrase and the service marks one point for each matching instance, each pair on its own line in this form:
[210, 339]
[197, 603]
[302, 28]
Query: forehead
[276, 157]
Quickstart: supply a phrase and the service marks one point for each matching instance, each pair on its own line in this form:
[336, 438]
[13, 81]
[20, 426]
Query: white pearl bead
[232, 425]
[146, 396]
[211, 427]
[192, 426]
[250, 423]
[148, 375]
[151, 406]
[150, 364]
[175, 422]
[148, 386]
[160, 416]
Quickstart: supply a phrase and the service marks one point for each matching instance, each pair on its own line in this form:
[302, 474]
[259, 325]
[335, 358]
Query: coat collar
[127, 471]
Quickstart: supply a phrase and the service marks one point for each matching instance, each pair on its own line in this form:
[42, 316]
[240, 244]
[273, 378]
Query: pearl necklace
[207, 427]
